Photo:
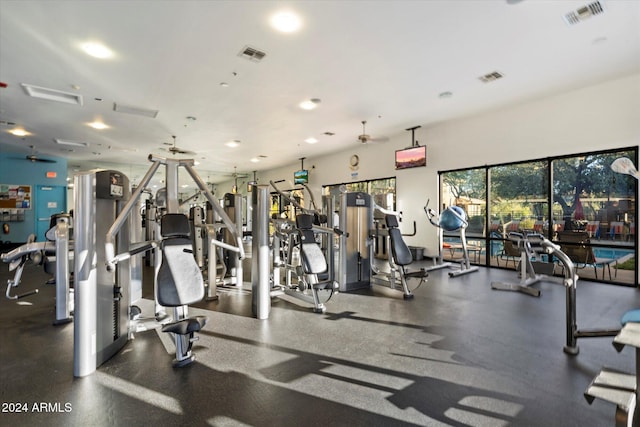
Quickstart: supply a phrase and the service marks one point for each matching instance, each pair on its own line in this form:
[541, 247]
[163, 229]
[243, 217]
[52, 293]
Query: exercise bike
[452, 219]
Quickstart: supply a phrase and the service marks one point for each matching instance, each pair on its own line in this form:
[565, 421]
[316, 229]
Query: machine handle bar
[14, 297]
[126, 255]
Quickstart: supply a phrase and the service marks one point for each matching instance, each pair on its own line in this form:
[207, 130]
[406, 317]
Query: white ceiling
[385, 62]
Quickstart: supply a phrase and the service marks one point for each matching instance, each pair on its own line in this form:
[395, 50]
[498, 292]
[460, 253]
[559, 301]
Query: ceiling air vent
[135, 110]
[491, 77]
[70, 143]
[52, 94]
[584, 12]
[252, 54]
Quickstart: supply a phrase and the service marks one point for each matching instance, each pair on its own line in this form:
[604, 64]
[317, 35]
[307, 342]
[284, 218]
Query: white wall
[600, 117]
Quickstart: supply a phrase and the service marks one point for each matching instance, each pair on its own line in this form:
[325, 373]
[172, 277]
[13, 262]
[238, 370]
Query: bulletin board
[15, 196]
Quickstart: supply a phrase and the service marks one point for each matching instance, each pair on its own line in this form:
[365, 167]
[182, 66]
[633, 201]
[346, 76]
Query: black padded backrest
[313, 261]
[179, 281]
[175, 225]
[399, 249]
[304, 221]
[391, 221]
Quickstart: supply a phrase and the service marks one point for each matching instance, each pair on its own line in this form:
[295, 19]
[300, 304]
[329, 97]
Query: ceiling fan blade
[379, 139]
[32, 159]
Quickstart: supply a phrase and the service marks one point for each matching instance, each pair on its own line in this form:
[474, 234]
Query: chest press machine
[102, 322]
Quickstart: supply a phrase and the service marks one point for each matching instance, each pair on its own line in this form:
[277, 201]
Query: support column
[261, 298]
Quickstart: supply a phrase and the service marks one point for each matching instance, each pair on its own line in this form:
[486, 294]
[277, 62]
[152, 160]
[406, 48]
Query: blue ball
[449, 221]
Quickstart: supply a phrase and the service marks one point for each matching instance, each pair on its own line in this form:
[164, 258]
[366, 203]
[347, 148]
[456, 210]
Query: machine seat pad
[186, 326]
[324, 285]
[399, 249]
[179, 279]
[420, 273]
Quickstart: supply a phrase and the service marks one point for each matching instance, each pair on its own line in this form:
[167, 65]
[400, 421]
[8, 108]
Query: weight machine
[102, 310]
[531, 246]
[56, 251]
[296, 250]
[399, 258]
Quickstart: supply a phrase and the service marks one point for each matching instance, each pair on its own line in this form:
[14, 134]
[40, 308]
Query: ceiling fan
[176, 150]
[365, 139]
[33, 158]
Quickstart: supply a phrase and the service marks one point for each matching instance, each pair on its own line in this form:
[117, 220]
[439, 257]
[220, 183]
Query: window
[383, 191]
[576, 201]
[466, 189]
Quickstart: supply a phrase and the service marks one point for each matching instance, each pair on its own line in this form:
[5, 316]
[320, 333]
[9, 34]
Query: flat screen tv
[411, 157]
[301, 176]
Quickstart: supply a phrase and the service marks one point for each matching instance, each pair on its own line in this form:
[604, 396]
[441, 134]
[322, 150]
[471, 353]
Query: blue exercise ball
[451, 218]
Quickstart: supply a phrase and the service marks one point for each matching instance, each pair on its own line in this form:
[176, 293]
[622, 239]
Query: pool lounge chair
[577, 246]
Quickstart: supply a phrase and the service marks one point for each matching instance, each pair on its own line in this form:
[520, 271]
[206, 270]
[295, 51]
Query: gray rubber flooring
[458, 354]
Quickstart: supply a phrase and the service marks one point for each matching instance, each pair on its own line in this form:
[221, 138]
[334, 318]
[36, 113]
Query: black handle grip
[340, 232]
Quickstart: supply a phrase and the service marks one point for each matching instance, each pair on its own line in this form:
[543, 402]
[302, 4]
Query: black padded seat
[313, 261]
[311, 256]
[179, 278]
[187, 326]
[179, 283]
[399, 249]
[401, 255]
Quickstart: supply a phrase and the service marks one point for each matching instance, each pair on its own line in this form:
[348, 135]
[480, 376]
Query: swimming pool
[612, 253]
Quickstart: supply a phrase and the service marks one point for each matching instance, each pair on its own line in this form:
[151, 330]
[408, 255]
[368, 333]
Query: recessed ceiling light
[224, 84]
[97, 50]
[255, 160]
[309, 104]
[311, 140]
[19, 132]
[232, 144]
[286, 21]
[98, 125]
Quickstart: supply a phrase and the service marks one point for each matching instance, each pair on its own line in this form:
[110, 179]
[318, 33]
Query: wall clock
[354, 161]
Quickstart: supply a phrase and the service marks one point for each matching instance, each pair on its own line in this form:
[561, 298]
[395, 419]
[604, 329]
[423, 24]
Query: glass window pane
[594, 209]
[466, 189]
[518, 203]
[589, 196]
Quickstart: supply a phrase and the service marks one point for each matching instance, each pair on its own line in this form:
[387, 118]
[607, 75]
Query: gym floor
[458, 354]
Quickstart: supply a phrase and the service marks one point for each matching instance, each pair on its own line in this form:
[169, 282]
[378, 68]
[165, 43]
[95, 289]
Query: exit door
[50, 199]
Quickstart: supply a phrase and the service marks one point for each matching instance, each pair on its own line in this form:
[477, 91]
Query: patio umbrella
[578, 213]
